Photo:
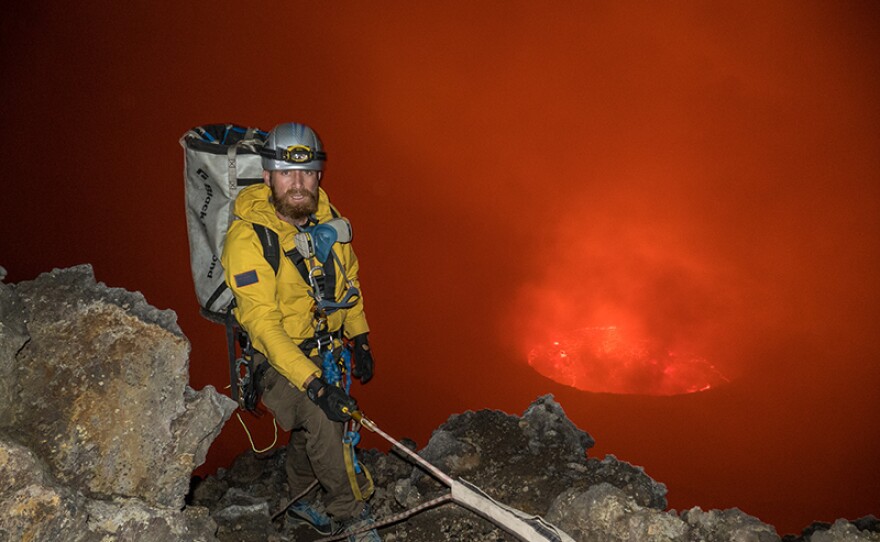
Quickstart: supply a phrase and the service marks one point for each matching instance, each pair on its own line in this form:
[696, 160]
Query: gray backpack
[220, 160]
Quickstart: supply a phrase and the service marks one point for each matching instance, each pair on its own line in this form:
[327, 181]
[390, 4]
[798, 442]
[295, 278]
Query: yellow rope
[253, 447]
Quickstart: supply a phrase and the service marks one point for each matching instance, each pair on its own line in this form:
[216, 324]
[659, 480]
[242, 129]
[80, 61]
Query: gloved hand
[363, 359]
[332, 400]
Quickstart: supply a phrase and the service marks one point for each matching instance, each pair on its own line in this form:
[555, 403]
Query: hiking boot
[356, 523]
[304, 513]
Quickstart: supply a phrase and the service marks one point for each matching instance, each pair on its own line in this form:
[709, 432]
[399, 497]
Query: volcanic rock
[13, 336]
[866, 529]
[32, 505]
[523, 461]
[100, 432]
[605, 512]
[536, 462]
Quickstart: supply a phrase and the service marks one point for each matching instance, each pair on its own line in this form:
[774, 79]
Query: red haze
[705, 174]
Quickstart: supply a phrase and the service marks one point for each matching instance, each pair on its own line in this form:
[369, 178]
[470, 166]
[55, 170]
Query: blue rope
[332, 374]
[346, 362]
[330, 369]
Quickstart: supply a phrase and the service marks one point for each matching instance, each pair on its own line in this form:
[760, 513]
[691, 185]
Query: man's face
[294, 192]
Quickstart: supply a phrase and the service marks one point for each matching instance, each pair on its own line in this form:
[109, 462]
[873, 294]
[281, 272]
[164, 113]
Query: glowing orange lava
[604, 359]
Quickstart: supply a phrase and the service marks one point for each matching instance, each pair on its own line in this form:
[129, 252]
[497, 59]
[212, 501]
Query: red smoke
[703, 176]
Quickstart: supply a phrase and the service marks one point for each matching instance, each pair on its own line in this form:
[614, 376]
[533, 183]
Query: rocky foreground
[99, 435]
[535, 462]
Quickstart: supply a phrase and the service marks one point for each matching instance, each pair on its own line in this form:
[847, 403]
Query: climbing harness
[315, 247]
[526, 527]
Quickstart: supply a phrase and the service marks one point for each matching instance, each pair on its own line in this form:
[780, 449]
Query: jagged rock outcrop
[100, 432]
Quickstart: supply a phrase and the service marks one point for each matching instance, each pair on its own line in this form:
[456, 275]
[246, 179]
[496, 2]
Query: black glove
[335, 403]
[363, 359]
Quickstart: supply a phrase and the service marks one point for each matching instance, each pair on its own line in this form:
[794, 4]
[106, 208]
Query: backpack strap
[272, 253]
[271, 249]
[211, 300]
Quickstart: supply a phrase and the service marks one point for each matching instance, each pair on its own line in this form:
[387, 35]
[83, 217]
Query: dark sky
[704, 173]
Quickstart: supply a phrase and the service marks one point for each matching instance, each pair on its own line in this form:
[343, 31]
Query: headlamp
[295, 154]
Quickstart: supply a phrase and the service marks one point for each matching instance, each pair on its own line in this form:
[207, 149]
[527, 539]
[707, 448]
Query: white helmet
[293, 146]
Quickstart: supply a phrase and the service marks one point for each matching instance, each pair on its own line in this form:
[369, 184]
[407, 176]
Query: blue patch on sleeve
[246, 278]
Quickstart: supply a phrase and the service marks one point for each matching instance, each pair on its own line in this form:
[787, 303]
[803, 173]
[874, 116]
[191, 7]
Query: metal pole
[369, 424]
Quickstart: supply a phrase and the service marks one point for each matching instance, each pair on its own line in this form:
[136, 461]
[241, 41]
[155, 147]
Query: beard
[295, 211]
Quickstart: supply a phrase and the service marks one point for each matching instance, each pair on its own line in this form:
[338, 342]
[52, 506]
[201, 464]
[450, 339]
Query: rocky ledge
[536, 462]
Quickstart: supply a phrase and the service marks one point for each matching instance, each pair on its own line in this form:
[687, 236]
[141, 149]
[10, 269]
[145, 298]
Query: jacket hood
[253, 205]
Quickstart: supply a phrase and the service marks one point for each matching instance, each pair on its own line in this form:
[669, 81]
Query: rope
[390, 519]
[253, 446]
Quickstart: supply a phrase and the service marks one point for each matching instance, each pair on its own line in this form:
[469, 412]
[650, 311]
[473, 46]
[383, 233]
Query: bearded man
[290, 329]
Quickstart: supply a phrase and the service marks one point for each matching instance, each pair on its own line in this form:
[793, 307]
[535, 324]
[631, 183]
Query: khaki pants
[315, 450]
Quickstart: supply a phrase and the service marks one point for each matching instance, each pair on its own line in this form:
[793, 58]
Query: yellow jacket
[276, 310]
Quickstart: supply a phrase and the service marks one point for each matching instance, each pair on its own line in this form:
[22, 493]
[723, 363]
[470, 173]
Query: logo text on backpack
[210, 194]
[213, 266]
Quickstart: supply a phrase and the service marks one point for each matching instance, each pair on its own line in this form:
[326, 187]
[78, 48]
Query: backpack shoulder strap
[272, 253]
[300, 263]
[271, 250]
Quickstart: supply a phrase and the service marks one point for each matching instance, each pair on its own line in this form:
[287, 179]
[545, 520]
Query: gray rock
[124, 520]
[604, 513]
[207, 491]
[32, 505]
[521, 461]
[547, 427]
[243, 517]
[102, 390]
[629, 478]
[868, 523]
[866, 529]
[732, 525]
[13, 336]
[844, 531]
[99, 431]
